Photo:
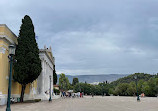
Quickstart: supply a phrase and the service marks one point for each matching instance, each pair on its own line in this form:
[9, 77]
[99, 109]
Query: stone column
[45, 77]
[42, 76]
[52, 79]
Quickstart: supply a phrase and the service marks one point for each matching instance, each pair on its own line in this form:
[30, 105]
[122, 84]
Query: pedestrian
[92, 94]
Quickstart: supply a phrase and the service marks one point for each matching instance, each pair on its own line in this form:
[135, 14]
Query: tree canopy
[75, 81]
[63, 82]
[126, 86]
[130, 78]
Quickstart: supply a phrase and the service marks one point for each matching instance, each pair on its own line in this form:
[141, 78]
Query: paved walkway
[90, 104]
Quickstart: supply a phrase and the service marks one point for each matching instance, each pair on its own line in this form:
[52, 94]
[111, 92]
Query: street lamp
[11, 54]
[136, 77]
[50, 98]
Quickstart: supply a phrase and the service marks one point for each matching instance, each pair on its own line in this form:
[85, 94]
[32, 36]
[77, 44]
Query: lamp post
[11, 54]
[50, 98]
[136, 77]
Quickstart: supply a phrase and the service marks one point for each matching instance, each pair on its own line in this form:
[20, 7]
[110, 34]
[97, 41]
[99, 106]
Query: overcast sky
[92, 36]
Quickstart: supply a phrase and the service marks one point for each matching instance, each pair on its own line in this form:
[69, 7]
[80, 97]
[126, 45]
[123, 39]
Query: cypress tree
[55, 78]
[28, 66]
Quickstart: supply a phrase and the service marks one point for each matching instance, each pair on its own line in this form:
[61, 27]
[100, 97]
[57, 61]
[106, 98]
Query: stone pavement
[111, 103]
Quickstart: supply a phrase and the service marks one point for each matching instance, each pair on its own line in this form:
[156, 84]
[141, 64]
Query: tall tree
[75, 81]
[28, 66]
[55, 78]
[63, 82]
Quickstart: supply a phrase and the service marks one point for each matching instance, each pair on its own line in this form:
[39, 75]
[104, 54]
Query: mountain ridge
[95, 78]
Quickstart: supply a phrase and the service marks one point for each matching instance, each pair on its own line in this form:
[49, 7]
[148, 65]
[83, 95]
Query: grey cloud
[92, 36]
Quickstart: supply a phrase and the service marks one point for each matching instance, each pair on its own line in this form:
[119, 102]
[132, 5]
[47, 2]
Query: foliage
[105, 88]
[147, 84]
[89, 89]
[150, 87]
[28, 66]
[75, 81]
[131, 90]
[55, 78]
[56, 91]
[130, 78]
[83, 87]
[37, 100]
[70, 86]
[63, 82]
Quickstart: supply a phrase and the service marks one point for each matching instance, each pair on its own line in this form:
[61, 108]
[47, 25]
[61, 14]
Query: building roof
[4, 25]
[7, 34]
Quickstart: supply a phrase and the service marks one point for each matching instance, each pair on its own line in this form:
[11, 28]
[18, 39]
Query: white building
[43, 81]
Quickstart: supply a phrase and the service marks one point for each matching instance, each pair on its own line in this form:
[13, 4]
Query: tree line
[126, 86]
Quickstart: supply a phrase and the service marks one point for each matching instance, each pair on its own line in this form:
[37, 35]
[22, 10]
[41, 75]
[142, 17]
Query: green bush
[56, 91]
[37, 100]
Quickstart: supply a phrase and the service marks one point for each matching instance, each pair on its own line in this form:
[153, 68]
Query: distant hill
[96, 78]
[130, 78]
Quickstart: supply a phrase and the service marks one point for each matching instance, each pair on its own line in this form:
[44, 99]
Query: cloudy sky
[92, 36]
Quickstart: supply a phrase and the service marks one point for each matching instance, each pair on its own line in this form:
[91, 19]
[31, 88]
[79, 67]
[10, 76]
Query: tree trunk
[22, 92]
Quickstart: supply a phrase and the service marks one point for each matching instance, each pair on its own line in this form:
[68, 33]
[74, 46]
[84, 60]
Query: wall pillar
[42, 77]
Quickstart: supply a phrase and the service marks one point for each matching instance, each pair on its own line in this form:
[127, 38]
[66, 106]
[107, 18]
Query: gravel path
[110, 103]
